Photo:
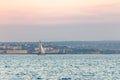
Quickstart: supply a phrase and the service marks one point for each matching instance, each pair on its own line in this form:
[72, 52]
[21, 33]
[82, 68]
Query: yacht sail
[41, 49]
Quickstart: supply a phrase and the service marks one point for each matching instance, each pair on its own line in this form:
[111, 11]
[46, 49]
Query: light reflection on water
[59, 67]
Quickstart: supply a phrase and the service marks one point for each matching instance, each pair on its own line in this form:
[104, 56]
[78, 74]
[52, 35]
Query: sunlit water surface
[60, 67]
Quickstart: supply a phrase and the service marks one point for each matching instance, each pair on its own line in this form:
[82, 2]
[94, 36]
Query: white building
[16, 51]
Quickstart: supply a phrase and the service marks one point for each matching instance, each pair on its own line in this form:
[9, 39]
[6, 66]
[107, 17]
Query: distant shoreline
[60, 54]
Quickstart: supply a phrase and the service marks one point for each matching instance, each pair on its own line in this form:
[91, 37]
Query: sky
[59, 20]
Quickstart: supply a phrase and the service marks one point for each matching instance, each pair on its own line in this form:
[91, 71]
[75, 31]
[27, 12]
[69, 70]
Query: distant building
[51, 50]
[2, 51]
[2, 47]
[16, 51]
[48, 50]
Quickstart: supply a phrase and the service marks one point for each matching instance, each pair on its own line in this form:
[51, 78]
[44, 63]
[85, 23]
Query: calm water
[60, 67]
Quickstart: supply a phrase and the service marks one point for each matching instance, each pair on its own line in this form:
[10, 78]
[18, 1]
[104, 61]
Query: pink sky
[26, 20]
[59, 11]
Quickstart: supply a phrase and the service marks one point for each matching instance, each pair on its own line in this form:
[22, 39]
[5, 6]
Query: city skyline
[59, 20]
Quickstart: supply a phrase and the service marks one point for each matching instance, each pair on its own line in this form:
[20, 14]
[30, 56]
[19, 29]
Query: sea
[60, 67]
